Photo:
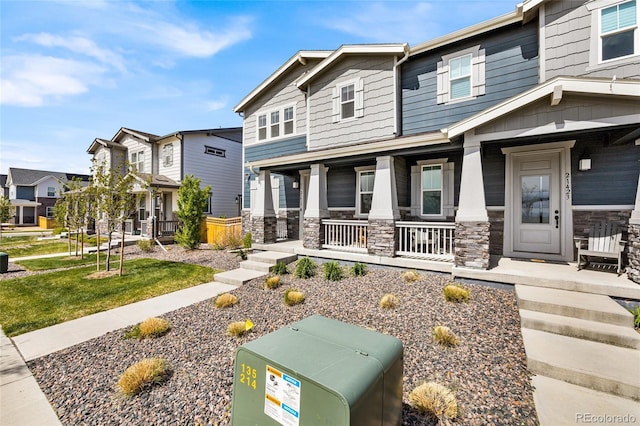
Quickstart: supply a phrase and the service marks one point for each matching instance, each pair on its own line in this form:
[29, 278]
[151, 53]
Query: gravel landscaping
[487, 370]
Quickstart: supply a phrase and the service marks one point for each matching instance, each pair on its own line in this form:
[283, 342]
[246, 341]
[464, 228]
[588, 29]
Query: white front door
[536, 196]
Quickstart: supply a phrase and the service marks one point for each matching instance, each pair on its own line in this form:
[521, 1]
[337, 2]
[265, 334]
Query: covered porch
[156, 202]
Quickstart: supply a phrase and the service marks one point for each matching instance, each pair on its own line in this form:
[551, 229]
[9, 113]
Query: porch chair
[605, 241]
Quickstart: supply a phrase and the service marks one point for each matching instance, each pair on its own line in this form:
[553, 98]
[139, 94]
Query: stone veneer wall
[264, 229]
[382, 237]
[496, 232]
[246, 221]
[313, 233]
[633, 247]
[472, 245]
[342, 214]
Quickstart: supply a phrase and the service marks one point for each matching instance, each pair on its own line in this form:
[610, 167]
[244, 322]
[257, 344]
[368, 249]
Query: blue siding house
[496, 139]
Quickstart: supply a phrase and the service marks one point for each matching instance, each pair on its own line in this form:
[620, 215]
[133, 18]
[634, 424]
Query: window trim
[477, 73]
[466, 76]
[441, 190]
[51, 193]
[359, 171]
[50, 212]
[218, 152]
[267, 114]
[595, 55]
[166, 155]
[341, 88]
[448, 181]
[358, 100]
[136, 164]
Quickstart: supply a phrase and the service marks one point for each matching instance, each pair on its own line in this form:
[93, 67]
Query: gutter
[395, 87]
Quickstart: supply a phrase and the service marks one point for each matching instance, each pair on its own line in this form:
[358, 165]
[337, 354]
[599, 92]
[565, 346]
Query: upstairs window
[618, 28]
[461, 76]
[167, 155]
[51, 191]
[276, 124]
[137, 161]
[215, 151]
[347, 102]
[288, 121]
[262, 127]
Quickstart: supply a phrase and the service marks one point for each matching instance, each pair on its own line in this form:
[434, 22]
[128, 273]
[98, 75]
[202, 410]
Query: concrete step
[593, 307]
[256, 266]
[598, 366]
[272, 257]
[560, 403]
[617, 335]
[237, 276]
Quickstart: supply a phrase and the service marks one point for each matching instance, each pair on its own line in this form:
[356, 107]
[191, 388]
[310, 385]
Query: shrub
[143, 374]
[238, 328]
[389, 301]
[145, 245]
[280, 268]
[151, 327]
[58, 231]
[293, 297]
[359, 269]
[225, 300]
[410, 276]
[306, 268]
[242, 254]
[272, 282]
[435, 399]
[455, 293]
[636, 316]
[445, 336]
[332, 271]
[246, 240]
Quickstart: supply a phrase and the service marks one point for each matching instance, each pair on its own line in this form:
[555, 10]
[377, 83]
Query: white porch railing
[429, 240]
[281, 229]
[346, 235]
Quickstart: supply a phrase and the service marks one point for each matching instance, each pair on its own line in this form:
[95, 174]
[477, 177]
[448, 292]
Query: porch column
[633, 255]
[382, 235]
[263, 217]
[316, 208]
[472, 219]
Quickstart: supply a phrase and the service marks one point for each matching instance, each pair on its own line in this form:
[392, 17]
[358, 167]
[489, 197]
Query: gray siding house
[506, 138]
[161, 163]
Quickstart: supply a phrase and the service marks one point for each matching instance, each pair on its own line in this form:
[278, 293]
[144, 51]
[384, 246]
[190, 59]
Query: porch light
[584, 164]
[295, 184]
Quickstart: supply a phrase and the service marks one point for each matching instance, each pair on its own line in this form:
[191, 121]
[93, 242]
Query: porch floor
[563, 275]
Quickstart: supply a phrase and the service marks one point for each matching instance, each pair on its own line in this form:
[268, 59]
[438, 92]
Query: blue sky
[74, 70]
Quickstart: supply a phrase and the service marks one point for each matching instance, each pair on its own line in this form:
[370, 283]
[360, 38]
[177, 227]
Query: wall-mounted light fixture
[295, 184]
[584, 164]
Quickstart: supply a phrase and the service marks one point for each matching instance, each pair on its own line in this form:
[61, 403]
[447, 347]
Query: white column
[384, 203]
[471, 205]
[317, 206]
[635, 214]
[263, 206]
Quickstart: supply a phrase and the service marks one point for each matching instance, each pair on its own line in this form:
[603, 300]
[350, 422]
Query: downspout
[395, 87]
[180, 137]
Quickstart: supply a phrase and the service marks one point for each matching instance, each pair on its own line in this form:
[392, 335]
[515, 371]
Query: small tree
[7, 211]
[192, 200]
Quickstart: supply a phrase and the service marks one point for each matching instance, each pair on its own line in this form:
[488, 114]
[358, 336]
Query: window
[51, 191]
[262, 127]
[366, 180]
[431, 189]
[461, 76]
[288, 121]
[208, 207]
[275, 124]
[347, 102]
[167, 155]
[137, 161]
[142, 211]
[618, 25]
[50, 211]
[214, 151]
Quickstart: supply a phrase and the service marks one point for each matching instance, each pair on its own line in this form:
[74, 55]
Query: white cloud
[30, 80]
[77, 44]
[215, 105]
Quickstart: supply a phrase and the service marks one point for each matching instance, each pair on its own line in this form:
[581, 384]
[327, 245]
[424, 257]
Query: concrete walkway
[21, 400]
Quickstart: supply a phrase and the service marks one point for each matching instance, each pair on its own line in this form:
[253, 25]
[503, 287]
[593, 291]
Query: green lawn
[38, 301]
[65, 262]
[30, 246]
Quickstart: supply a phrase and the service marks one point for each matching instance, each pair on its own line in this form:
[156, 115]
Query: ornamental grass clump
[359, 269]
[445, 336]
[306, 268]
[238, 328]
[332, 271]
[454, 292]
[272, 282]
[434, 399]
[280, 268]
[293, 297]
[151, 327]
[225, 300]
[145, 245]
[389, 301]
[410, 276]
[142, 375]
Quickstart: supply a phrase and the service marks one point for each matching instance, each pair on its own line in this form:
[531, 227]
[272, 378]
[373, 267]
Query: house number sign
[567, 185]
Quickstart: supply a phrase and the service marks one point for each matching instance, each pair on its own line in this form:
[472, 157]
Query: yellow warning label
[274, 400]
[274, 371]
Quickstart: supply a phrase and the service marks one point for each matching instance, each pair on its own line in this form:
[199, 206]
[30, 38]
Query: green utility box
[4, 263]
[318, 371]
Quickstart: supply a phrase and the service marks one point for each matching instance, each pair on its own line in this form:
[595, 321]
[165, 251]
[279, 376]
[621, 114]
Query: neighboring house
[3, 187]
[161, 162]
[34, 192]
[505, 138]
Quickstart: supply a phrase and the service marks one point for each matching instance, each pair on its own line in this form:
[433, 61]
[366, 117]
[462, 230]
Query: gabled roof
[29, 177]
[97, 142]
[396, 49]
[231, 133]
[146, 137]
[554, 89]
[480, 28]
[156, 180]
[300, 57]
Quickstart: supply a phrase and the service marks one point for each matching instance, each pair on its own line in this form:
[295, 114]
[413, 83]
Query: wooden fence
[222, 232]
[47, 223]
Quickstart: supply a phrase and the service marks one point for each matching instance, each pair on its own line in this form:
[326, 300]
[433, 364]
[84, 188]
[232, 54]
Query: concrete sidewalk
[21, 400]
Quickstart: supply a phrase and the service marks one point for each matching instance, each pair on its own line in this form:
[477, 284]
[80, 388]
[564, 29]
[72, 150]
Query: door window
[535, 198]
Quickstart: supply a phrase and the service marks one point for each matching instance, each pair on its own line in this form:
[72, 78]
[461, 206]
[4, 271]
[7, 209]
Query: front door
[536, 195]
